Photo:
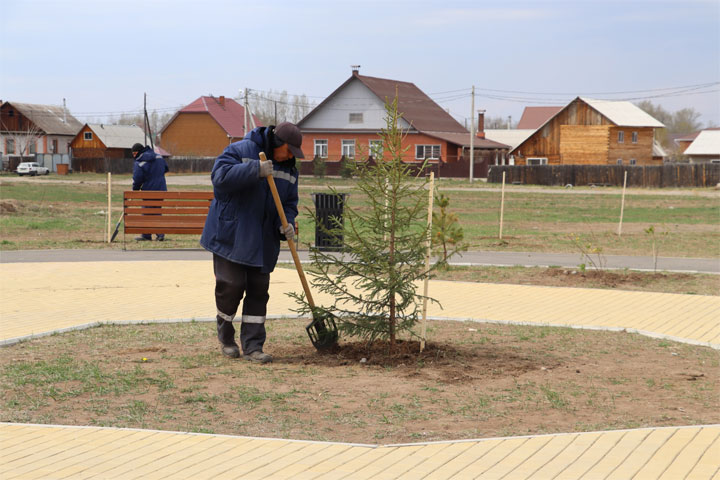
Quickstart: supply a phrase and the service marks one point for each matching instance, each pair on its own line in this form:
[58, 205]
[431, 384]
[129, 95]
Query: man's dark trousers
[232, 282]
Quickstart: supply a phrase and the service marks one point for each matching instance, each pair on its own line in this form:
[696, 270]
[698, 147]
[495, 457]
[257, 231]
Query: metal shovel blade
[323, 331]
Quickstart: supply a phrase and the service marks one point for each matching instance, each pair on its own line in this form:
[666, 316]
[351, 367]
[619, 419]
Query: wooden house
[106, 141]
[205, 127]
[705, 148]
[27, 129]
[592, 132]
[347, 124]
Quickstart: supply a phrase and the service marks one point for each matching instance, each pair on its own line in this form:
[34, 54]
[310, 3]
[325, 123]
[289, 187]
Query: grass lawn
[73, 215]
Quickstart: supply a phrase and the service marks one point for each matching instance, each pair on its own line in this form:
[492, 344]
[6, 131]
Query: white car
[32, 169]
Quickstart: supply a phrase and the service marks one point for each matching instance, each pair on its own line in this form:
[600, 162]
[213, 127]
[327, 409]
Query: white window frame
[537, 160]
[634, 137]
[375, 148]
[10, 146]
[355, 117]
[633, 161]
[87, 136]
[348, 148]
[432, 147]
[621, 136]
[323, 151]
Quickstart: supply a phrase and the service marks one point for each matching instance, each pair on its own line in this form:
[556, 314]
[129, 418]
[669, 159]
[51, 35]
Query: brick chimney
[355, 69]
[481, 124]
[221, 101]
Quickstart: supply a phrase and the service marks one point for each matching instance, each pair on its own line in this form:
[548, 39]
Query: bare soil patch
[473, 380]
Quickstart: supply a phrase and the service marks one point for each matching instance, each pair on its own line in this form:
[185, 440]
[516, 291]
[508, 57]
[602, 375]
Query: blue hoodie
[242, 224]
[149, 171]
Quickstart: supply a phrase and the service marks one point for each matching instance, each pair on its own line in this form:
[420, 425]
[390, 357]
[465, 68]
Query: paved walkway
[484, 258]
[40, 298]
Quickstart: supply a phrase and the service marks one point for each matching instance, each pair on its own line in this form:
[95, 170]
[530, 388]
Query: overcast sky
[102, 55]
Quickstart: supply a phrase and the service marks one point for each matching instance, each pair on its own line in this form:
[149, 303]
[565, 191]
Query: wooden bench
[173, 212]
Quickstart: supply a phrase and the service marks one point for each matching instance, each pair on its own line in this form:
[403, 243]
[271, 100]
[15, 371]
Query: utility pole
[472, 134]
[64, 111]
[275, 111]
[245, 115]
[145, 114]
[509, 121]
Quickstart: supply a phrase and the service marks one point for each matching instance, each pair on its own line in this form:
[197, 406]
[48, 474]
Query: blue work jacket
[243, 225]
[149, 171]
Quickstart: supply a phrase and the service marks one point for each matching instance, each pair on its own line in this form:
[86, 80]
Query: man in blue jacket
[243, 230]
[149, 172]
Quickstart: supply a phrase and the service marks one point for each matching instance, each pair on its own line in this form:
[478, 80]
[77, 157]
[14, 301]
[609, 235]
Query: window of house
[87, 136]
[427, 152]
[348, 148]
[11, 113]
[356, 118]
[619, 161]
[621, 137]
[633, 161]
[321, 148]
[634, 137]
[537, 161]
[376, 148]
[53, 146]
[10, 146]
[33, 147]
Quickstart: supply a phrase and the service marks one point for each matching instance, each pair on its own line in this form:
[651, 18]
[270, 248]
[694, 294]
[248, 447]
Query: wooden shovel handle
[291, 243]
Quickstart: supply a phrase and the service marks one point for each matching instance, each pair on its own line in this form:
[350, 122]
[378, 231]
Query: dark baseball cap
[289, 133]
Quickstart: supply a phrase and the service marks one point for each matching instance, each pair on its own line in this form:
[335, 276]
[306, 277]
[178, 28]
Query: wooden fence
[125, 165]
[661, 176]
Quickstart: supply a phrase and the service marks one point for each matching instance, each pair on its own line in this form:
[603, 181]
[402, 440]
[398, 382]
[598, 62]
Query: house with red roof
[347, 124]
[205, 127]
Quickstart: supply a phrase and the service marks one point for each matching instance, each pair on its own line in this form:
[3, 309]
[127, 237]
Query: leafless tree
[25, 139]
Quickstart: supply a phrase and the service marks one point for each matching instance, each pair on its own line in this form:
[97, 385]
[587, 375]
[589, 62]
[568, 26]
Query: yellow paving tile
[541, 457]
[684, 452]
[707, 467]
[473, 454]
[86, 293]
[578, 446]
[689, 454]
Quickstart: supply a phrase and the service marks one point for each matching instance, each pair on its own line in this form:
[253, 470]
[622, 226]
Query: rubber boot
[226, 336]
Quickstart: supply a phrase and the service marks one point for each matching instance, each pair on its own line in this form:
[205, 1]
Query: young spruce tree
[373, 282]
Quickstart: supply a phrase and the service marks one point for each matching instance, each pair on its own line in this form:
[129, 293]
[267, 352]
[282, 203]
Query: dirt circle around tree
[473, 380]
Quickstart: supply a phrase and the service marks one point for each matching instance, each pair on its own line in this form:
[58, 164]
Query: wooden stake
[622, 205]
[502, 205]
[109, 213]
[428, 248]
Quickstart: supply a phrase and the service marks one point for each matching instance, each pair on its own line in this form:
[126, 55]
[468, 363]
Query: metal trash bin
[328, 211]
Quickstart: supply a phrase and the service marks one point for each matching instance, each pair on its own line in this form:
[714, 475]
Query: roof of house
[415, 106]
[688, 137]
[118, 136]
[658, 150]
[229, 114]
[51, 119]
[463, 140]
[534, 117]
[512, 137]
[623, 113]
[706, 143]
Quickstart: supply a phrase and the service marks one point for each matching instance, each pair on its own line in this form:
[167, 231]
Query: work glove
[266, 168]
[288, 231]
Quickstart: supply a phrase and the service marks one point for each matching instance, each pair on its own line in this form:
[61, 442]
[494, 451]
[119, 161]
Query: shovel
[322, 330]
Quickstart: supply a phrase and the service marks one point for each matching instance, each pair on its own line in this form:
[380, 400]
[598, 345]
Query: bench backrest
[165, 212]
